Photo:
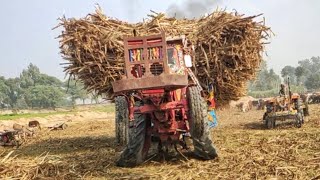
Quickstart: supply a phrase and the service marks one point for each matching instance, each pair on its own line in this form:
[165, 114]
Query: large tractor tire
[306, 110]
[302, 111]
[199, 128]
[299, 120]
[136, 150]
[270, 122]
[264, 118]
[306, 107]
[122, 120]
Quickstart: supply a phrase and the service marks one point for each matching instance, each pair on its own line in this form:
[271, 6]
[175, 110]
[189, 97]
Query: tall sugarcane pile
[228, 48]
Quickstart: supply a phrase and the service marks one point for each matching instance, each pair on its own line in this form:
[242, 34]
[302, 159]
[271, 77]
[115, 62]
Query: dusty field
[86, 149]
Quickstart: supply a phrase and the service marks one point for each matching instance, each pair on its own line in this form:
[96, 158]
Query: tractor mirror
[188, 61]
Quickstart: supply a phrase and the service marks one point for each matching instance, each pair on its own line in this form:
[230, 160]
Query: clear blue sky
[26, 35]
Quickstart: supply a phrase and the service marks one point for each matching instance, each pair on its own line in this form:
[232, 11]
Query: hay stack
[228, 48]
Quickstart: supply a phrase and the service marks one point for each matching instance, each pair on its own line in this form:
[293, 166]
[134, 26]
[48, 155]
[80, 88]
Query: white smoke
[191, 8]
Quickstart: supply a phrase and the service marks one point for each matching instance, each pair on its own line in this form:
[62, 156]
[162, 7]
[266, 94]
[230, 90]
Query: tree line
[34, 89]
[306, 74]
[304, 77]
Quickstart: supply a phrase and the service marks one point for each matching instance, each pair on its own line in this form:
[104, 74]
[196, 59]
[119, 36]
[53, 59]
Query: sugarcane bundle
[228, 48]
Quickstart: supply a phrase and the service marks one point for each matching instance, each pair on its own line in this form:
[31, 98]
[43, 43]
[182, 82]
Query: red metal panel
[153, 91]
[145, 42]
[153, 82]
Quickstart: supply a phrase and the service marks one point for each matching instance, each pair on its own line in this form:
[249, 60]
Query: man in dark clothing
[282, 91]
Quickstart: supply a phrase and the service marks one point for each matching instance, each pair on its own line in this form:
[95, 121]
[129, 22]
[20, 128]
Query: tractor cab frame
[153, 62]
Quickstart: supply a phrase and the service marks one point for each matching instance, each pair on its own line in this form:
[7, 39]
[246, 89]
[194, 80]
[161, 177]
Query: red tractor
[9, 138]
[156, 101]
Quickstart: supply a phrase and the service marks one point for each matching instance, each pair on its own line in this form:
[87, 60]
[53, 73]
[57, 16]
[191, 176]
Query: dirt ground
[87, 150]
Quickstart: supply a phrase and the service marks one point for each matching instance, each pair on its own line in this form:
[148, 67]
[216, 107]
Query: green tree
[21, 103]
[315, 63]
[313, 81]
[4, 89]
[44, 96]
[45, 79]
[306, 65]
[289, 71]
[34, 85]
[266, 79]
[273, 79]
[299, 72]
[29, 76]
[32, 76]
[83, 95]
[13, 92]
[76, 91]
[307, 70]
[95, 97]
[258, 84]
[311, 65]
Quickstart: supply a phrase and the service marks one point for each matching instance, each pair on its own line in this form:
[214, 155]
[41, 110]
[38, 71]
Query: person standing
[212, 117]
[282, 91]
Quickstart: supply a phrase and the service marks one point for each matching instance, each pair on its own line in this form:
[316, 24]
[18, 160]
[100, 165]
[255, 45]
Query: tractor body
[154, 100]
[283, 108]
[8, 138]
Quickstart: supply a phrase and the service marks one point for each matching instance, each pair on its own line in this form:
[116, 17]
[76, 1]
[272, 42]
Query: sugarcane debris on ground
[58, 126]
[228, 48]
[87, 149]
[16, 134]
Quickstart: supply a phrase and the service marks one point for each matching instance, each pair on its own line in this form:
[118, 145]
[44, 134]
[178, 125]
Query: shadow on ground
[254, 125]
[61, 146]
[288, 124]
[86, 157]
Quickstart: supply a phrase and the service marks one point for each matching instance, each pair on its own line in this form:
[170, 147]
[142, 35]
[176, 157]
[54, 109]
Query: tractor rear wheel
[306, 110]
[138, 145]
[270, 122]
[302, 111]
[122, 120]
[299, 120]
[264, 118]
[199, 128]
